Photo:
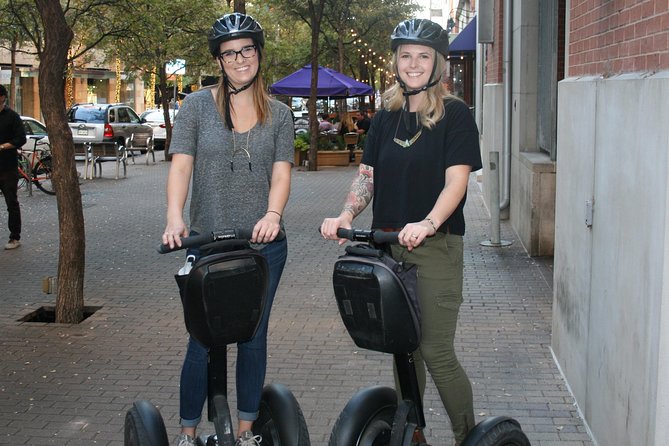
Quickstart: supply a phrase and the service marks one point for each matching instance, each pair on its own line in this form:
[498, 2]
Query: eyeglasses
[230, 56]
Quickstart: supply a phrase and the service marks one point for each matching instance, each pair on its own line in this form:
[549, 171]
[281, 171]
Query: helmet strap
[230, 90]
[432, 82]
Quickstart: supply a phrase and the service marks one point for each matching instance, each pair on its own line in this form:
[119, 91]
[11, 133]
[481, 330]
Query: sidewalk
[71, 385]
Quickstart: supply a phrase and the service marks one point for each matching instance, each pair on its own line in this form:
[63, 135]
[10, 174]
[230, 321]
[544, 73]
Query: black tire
[497, 431]
[367, 419]
[144, 426]
[42, 175]
[280, 420]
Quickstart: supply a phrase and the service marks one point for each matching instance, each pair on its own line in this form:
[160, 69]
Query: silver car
[107, 123]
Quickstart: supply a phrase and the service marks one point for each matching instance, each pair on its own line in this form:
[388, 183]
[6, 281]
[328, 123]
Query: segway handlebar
[368, 235]
[194, 241]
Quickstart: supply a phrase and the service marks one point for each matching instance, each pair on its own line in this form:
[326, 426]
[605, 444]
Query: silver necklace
[244, 149]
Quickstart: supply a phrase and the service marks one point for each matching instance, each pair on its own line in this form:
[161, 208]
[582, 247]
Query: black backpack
[223, 296]
[377, 300]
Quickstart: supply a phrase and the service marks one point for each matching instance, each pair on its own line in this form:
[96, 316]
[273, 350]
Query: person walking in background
[420, 150]
[236, 143]
[12, 137]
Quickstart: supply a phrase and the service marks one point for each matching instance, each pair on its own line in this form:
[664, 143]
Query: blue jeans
[251, 357]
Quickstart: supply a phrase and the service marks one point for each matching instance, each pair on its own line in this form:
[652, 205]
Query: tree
[311, 12]
[71, 255]
[162, 32]
[50, 30]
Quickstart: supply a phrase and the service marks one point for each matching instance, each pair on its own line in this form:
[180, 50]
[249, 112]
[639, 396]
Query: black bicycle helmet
[234, 26]
[420, 32]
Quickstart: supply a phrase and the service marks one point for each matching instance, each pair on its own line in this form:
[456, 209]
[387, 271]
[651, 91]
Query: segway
[223, 297]
[378, 304]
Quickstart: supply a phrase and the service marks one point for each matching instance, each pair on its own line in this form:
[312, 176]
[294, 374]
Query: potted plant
[301, 148]
[331, 151]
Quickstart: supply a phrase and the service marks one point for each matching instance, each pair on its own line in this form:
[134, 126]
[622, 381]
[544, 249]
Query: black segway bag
[377, 300]
[223, 296]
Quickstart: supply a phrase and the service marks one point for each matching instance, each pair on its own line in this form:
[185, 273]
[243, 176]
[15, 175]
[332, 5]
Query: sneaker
[185, 440]
[248, 439]
[12, 244]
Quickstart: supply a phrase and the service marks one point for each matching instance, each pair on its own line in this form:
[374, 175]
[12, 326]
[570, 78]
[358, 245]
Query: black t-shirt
[11, 131]
[363, 124]
[408, 181]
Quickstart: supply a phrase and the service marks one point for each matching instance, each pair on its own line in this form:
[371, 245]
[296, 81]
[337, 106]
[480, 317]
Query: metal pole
[494, 204]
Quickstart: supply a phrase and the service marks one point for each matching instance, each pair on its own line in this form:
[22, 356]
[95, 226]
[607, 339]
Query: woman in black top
[419, 152]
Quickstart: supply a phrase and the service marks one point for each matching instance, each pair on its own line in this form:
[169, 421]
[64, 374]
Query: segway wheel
[367, 419]
[144, 426]
[280, 420]
[497, 431]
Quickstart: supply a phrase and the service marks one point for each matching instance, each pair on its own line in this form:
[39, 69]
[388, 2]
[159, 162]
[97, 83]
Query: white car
[156, 120]
[35, 130]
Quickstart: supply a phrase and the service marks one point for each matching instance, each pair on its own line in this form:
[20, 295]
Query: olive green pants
[440, 265]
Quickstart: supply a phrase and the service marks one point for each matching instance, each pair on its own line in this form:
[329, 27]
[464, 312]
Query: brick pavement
[71, 385]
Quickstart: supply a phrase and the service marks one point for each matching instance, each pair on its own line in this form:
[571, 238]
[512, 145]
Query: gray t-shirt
[231, 175]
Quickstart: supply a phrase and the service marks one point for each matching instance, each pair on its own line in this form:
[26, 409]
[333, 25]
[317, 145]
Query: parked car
[102, 123]
[34, 130]
[301, 125]
[156, 119]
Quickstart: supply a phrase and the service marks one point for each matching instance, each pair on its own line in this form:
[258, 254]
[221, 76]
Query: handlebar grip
[386, 237]
[188, 242]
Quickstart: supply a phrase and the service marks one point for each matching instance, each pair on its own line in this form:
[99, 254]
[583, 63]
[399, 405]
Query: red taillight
[109, 131]
[162, 126]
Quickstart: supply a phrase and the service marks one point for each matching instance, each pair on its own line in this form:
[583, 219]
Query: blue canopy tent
[331, 84]
[461, 54]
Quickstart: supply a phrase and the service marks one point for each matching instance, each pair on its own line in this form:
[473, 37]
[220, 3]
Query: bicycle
[381, 313]
[223, 297]
[35, 167]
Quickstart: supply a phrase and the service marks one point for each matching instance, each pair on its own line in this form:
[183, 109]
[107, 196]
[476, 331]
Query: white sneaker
[185, 440]
[12, 244]
[248, 439]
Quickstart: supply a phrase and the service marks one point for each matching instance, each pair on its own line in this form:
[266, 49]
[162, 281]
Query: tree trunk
[71, 254]
[316, 15]
[165, 105]
[12, 76]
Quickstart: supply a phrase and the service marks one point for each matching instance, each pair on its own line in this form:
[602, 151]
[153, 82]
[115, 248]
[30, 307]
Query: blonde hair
[347, 121]
[260, 96]
[432, 108]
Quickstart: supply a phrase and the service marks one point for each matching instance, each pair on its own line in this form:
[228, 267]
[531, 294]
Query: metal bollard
[494, 204]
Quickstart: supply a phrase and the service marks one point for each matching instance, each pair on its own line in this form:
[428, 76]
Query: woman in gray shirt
[236, 143]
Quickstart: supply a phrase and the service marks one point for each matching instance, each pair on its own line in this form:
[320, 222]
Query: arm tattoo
[362, 191]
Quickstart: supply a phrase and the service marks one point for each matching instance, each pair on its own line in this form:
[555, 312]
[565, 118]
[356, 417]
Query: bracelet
[273, 212]
[429, 220]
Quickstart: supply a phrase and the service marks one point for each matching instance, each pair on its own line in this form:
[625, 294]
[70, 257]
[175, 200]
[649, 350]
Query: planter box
[333, 157]
[300, 156]
[358, 156]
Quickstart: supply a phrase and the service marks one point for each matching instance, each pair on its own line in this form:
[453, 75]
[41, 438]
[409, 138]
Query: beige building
[92, 81]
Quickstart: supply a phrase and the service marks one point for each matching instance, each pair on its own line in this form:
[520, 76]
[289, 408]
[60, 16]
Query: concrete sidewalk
[71, 385]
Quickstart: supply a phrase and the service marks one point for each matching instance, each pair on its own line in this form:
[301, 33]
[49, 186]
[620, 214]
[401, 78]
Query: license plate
[82, 132]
